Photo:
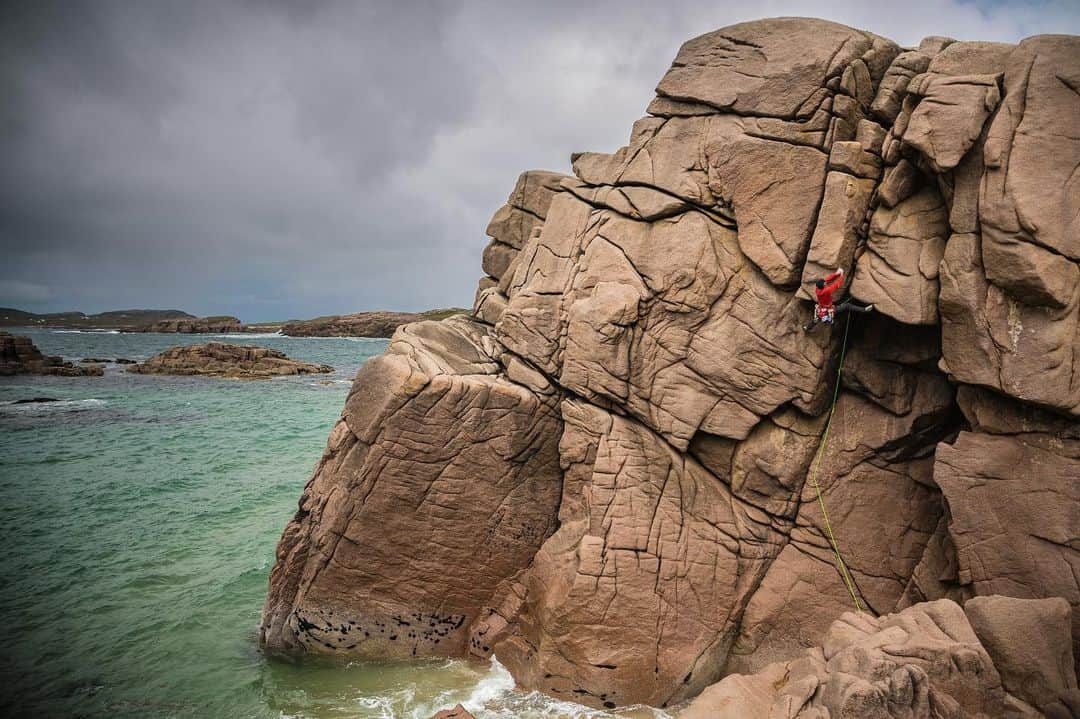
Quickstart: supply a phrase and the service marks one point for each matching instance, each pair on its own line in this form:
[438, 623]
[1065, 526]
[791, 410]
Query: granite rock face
[632, 430]
[217, 359]
[18, 355]
[437, 445]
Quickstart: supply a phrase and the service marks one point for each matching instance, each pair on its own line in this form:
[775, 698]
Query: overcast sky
[291, 159]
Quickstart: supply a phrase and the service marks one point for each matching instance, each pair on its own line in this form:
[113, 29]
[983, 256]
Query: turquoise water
[138, 520]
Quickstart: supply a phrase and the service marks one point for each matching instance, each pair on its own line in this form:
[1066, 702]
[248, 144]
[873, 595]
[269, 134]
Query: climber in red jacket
[825, 310]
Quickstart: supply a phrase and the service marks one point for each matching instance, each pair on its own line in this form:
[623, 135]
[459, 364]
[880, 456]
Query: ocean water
[138, 519]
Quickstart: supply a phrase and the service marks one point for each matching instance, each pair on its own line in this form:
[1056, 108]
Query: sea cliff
[609, 475]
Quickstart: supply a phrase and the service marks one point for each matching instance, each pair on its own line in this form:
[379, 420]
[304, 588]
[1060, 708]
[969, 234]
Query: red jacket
[832, 284]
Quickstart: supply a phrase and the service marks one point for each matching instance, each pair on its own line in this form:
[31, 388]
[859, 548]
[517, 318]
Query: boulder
[435, 447]
[949, 116]
[1028, 641]
[923, 662]
[769, 67]
[1014, 519]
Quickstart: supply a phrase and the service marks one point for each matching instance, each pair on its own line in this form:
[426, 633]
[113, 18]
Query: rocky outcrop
[361, 324]
[18, 355]
[435, 444]
[930, 660]
[635, 397]
[196, 325]
[217, 359]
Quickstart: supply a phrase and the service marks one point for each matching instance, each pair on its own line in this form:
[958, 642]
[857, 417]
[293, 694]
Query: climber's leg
[849, 306]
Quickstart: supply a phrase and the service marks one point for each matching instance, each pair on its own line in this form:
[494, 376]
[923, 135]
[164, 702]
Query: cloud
[24, 293]
[288, 159]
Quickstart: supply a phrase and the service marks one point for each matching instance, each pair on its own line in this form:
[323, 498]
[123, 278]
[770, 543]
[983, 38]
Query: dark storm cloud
[295, 158]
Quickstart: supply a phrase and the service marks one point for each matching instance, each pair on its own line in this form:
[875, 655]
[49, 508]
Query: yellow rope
[817, 488]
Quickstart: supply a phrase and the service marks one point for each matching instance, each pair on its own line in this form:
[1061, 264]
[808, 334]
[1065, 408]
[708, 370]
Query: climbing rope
[840, 565]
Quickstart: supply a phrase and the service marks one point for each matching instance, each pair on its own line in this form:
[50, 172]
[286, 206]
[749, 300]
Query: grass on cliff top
[443, 313]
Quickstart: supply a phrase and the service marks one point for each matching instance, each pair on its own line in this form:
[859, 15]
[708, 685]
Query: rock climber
[825, 311]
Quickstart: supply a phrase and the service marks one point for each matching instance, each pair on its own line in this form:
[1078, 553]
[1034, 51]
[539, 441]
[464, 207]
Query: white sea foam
[496, 684]
[85, 332]
[247, 335]
[43, 408]
[382, 704]
[495, 697]
[347, 339]
[59, 403]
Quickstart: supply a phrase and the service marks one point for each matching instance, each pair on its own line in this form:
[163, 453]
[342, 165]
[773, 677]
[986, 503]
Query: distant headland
[379, 323]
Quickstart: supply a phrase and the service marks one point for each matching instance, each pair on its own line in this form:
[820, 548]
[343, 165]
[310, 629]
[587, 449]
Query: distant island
[363, 324]
[113, 320]
[379, 323]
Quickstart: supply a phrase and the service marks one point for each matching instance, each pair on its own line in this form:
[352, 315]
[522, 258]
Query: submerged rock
[217, 359]
[610, 477]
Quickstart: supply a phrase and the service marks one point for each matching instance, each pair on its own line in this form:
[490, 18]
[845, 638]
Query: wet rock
[458, 712]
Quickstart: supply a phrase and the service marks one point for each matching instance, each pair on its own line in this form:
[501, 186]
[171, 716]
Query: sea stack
[602, 475]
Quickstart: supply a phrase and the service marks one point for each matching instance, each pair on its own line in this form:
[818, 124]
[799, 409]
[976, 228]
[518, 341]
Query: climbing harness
[840, 565]
[825, 314]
